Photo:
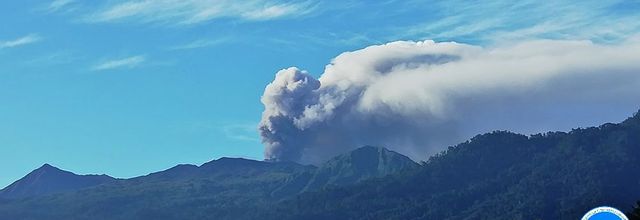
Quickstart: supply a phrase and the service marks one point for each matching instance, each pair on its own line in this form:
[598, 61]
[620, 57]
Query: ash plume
[419, 97]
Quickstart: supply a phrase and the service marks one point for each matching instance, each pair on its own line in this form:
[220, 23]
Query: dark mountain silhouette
[227, 187]
[498, 175]
[349, 168]
[363, 163]
[224, 168]
[49, 179]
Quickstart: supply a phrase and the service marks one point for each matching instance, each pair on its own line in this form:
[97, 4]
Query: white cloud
[29, 39]
[57, 5]
[201, 43]
[275, 11]
[197, 11]
[419, 97]
[128, 62]
[595, 20]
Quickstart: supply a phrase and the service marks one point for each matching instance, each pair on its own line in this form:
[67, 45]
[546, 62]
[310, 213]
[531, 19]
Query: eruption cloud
[419, 97]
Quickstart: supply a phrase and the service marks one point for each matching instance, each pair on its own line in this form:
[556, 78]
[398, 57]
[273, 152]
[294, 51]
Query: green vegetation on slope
[499, 175]
[227, 188]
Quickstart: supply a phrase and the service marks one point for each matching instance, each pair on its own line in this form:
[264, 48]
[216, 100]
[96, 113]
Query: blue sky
[128, 87]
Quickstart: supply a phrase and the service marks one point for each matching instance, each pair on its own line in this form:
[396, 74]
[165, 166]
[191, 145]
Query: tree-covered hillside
[227, 188]
[500, 175]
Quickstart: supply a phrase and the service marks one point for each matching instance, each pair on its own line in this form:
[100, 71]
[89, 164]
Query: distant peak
[369, 148]
[49, 179]
[47, 166]
[371, 153]
[184, 165]
[230, 158]
[231, 161]
[633, 119]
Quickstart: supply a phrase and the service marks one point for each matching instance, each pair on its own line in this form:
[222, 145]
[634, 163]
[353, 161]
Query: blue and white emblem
[604, 213]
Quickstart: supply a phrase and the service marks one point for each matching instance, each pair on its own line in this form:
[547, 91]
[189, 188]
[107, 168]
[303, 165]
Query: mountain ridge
[225, 186]
[362, 163]
[349, 168]
[496, 175]
[48, 179]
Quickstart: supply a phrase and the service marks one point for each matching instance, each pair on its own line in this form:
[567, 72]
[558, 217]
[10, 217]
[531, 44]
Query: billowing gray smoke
[419, 97]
